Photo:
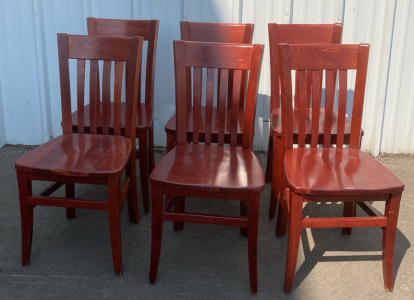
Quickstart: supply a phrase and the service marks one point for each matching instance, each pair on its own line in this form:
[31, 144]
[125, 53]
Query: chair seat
[331, 171]
[210, 168]
[88, 155]
[144, 117]
[276, 121]
[170, 127]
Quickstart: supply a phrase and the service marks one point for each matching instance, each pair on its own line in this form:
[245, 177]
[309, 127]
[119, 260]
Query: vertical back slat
[81, 95]
[188, 85]
[340, 131]
[106, 96]
[119, 69]
[329, 102]
[302, 89]
[358, 104]
[209, 104]
[198, 80]
[297, 88]
[222, 104]
[230, 88]
[93, 96]
[308, 87]
[237, 78]
[64, 82]
[316, 105]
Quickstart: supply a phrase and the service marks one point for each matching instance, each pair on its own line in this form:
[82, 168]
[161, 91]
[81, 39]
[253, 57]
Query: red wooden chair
[90, 158]
[148, 29]
[290, 34]
[216, 33]
[206, 170]
[328, 174]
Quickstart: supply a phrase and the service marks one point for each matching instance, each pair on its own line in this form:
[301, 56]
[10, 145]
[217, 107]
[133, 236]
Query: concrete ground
[71, 259]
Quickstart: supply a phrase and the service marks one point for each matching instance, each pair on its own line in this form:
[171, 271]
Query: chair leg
[252, 232]
[170, 141]
[156, 230]
[277, 165]
[115, 222]
[349, 211]
[132, 198]
[26, 215]
[70, 193]
[151, 156]
[295, 224]
[388, 239]
[243, 213]
[179, 207]
[143, 168]
[281, 221]
[269, 164]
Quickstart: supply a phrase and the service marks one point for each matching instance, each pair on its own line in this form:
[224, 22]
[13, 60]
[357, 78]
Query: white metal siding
[29, 76]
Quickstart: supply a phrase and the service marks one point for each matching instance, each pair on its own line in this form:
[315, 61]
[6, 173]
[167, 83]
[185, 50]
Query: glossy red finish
[276, 122]
[291, 34]
[205, 170]
[343, 171]
[327, 174]
[210, 168]
[88, 158]
[75, 155]
[217, 33]
[148, 29]
[170, 126]
[144, 118]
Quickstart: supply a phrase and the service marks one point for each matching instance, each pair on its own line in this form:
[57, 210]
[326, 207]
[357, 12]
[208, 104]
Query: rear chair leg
[269, 164]
[392, 207]
[132, 198]
[349, 211]
[70, 193]
[179, 207]
[143, 168]
[243, 213]
[252, 232]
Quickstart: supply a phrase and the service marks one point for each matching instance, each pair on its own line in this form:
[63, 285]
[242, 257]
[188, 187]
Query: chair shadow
[332, 239]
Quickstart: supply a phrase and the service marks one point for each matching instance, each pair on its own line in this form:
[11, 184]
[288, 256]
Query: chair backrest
[297, 34]
[332, 59]
[224, 57]
[148, 29]
[121, 50]
[218, 33]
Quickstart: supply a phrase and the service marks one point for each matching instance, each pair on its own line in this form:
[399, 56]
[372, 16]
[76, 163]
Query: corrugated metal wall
[29, 82]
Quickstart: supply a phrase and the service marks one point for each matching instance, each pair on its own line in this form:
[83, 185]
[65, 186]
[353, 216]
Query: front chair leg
[156, 230]
[70, 193]
[392, 208]
[179, 207]
[170, 141]
[252, 233]
[295, 225]
[349, 211]
[143, 168]
[115, 222]
[26, 215]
